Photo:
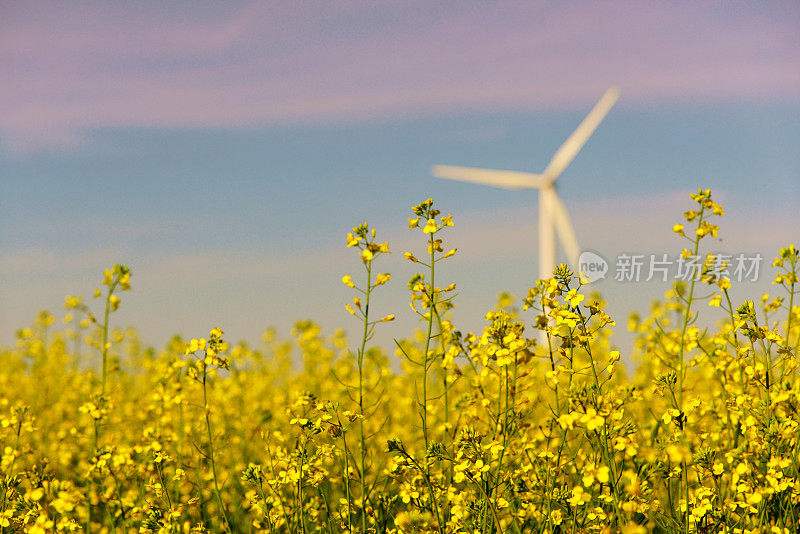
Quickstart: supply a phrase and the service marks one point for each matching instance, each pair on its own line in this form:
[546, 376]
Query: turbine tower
[553, 215]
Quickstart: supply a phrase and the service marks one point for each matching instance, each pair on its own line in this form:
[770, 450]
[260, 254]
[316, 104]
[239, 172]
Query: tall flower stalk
[362, 238]
[706, 209]
[209, 358]
[431, 300]
[117, 278]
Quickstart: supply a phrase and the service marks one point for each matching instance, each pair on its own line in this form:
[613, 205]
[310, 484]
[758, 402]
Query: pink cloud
[68, 68]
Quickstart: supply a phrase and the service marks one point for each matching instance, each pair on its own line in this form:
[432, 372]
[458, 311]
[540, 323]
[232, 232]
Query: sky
[223, 150]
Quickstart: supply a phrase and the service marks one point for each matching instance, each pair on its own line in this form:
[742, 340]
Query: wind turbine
[552, 213]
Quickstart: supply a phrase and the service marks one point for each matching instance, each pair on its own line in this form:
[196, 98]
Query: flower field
[501, 431]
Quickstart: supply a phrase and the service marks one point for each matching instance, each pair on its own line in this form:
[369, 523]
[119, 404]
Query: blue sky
[223, 152]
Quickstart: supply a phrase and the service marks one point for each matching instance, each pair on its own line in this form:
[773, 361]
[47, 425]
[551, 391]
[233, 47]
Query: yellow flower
[556, 517]
[348, 281]
[435, 247]
[72, 301]
[678, 453]
[574, 298]
[430, 227]
[352, 240]
[579, 497]
[604, 475]
[567, 421]
[195, 345]
[125, 281]
[592, 420]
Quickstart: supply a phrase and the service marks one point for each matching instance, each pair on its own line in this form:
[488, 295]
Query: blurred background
[223, 150]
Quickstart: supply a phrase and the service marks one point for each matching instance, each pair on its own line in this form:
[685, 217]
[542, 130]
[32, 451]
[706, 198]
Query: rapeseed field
[445, 432]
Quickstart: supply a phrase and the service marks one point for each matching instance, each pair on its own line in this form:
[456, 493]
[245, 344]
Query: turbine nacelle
[553, 216]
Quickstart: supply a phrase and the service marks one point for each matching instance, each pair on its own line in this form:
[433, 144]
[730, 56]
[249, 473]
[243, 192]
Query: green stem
[300, 510]
[362, 446]
[347, 478]
[788, 325]
[211, 449]
[104, 346]
[431, 311]
[682, 370]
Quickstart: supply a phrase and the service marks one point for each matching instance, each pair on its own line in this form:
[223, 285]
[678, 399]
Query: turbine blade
[563, 224]
[494, 178]
[567, 152]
